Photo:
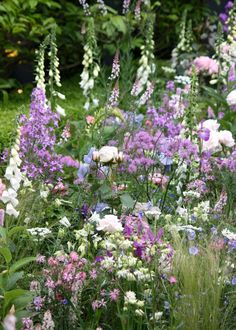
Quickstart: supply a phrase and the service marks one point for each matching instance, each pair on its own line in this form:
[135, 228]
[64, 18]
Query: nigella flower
[193, 250]
[165, 160]
[191, 234]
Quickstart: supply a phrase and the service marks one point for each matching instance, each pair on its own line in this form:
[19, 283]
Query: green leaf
[12, 280]
[3, 233]
[127, 201]
[6, 253]
[15, 230]
[20, 263]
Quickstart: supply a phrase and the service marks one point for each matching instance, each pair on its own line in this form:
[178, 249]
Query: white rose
[211, 124]
[107, 154]
[231, 98]
[226, 138]
[110, 223]
[213, 144]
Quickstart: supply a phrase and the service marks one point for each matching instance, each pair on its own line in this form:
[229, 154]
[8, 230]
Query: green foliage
[201, 287]
[10, 274]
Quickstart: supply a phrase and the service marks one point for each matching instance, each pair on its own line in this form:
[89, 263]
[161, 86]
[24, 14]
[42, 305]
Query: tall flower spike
[113, 100]
[146, 63]
[126, 4]
[90, 62]
[38, 140]
[40, 68]
[147, 94]
[115, 72]
[13, 174]
[85, 6]
[137, 10]
[102, 7]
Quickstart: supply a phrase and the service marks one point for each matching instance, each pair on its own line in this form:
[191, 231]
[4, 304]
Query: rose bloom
[226, 138]
[212, 144]
[107, 154]
[110, 223]
[90, 120]
[159, 180]
[210, 124]
[231, 98]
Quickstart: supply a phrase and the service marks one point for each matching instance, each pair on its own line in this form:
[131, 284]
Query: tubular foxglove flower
[114, 98]
[126, 4]
[102, 7]
[85, 6]
[115, 67]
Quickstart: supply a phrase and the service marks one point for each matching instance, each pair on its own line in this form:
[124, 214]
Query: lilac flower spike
[38, 140]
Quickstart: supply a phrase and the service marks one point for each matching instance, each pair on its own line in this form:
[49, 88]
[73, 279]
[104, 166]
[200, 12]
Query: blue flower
[191, 234]
[233, 281]
[165, 160]
[88, 159]
[193, 250]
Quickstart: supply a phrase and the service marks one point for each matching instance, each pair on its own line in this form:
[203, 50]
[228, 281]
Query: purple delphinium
[233, 281]
[38, 140]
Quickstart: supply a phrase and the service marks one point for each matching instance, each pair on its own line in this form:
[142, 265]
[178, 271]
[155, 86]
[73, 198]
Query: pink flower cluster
[206, 65]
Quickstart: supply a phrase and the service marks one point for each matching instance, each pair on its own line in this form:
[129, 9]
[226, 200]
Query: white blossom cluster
[39, 232]
[229, 234]
[132, 301]
[14, 176]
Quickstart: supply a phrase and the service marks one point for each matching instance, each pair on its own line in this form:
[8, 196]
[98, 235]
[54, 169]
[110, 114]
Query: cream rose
[213, 144]
[110, 223]
[231, 98]
[226, 138]
[107, 154]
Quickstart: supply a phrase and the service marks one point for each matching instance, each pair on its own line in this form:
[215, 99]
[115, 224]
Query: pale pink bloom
[172, 280]
[74, 256]
[2, 187]
[159, 180]
[90, 120]
[206, 64]
[114, 294]
[9, 322]
[93, 274]
[52, 261]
